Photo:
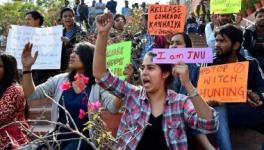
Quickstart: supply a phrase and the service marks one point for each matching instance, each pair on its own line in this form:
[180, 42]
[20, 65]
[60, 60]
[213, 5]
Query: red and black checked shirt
[179, 112]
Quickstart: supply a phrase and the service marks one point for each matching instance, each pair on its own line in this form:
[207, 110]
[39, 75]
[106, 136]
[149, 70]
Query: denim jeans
[235, 115]
[222, 136]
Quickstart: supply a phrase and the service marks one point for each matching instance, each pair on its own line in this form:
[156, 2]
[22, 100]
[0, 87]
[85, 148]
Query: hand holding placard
[181, 70]
[47, 41]
[166, 18]
[186, 55]
[224, 83]
[117, 57]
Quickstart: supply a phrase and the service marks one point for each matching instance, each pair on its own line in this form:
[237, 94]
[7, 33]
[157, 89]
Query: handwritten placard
[225, 6]
[224, 83]
[187, 55]
[117, 57]
[164, 19]
[47, 41]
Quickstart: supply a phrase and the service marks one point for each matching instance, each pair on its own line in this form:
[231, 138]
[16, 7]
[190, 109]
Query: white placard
[47, 41]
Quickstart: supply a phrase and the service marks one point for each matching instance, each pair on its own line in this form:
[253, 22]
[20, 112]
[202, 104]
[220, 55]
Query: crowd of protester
[161, 106]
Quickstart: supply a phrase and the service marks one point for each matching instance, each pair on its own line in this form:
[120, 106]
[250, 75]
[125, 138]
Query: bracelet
[194, 94]
[27, 72]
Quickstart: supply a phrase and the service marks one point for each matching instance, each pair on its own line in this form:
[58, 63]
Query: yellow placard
[225, 6]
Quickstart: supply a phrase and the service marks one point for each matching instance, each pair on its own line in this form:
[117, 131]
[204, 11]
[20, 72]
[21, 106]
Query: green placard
[225, 6]
[117, 57]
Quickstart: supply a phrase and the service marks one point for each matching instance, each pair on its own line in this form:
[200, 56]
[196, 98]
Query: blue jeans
[235, 115]
[222, 136]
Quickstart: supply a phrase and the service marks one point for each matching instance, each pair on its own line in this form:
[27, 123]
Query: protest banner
[47, 41]
[225, 6]
[164, 19]
[224, 83]
[117, 57]
[187, 55]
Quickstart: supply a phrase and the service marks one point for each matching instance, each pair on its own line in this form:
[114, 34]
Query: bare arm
[201, 107]
[203, 110]
[104, 23]
[28, 61]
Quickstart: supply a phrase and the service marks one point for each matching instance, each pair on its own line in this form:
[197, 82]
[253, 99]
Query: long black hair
[10, 77]
[186, 38]
[85, 51]
[10, 72]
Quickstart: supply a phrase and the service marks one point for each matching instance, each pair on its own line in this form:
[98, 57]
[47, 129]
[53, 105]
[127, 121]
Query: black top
[153, 137]
[73, 102]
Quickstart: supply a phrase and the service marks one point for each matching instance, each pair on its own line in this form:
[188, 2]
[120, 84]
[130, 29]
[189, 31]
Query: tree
[14, 12]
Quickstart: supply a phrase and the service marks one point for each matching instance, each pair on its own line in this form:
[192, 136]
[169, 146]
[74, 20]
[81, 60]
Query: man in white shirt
[100, 7]
[217, 21]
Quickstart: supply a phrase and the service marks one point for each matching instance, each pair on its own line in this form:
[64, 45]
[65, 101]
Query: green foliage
[14, 12]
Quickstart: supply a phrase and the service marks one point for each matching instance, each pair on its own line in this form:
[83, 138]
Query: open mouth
[68, 22]
[146, 82]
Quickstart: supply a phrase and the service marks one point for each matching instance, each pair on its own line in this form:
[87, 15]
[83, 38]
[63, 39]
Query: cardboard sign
[224, 83]
[187, 55]
[47, 41]
[117, 57]
[225, 6]
[164, 19]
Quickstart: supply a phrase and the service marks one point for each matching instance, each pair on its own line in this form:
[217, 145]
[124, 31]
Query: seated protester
[217, 21]
[209, 31]
[222, 19]
[201, 26]
[200, 9]
[155, 117]
[72, 97]
[13, 106]
[254, 38]
[191, 24]
[71, 36]
[132, 74]
[228, 43]
[182, 40]
[144, 42]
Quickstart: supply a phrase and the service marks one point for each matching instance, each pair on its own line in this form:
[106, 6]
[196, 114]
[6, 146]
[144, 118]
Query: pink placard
[187, 55]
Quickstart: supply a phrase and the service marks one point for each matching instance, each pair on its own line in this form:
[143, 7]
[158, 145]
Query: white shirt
[101, 9]
[209, 35]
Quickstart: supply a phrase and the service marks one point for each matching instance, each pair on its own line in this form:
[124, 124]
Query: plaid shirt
[179, 112]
